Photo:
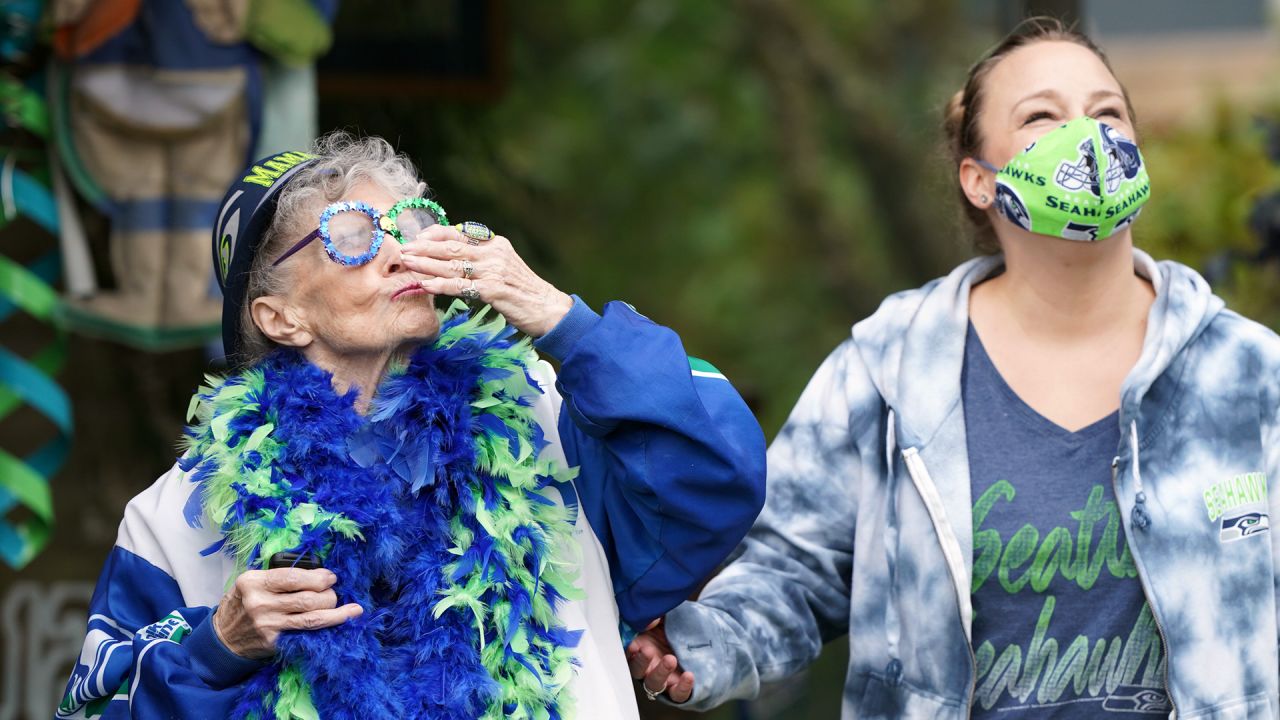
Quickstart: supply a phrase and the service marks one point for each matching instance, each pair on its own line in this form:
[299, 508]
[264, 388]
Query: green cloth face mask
[1082, 181]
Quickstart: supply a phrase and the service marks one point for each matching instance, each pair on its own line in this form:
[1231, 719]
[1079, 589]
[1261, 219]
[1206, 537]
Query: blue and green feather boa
[433, 512]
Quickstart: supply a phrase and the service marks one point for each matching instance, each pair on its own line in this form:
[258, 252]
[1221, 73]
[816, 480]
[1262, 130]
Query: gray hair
[342, 161]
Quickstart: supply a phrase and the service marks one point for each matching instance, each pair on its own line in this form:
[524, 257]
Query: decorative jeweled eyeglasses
[352, 231]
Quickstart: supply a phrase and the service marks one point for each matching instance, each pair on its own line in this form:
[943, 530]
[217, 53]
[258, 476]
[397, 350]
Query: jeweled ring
[468, 269]
[470, 293]
[476, 232]
[651, 694]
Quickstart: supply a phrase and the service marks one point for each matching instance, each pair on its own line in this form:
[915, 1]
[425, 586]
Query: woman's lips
[407, 290]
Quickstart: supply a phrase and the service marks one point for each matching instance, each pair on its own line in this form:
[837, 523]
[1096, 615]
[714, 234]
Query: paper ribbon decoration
[24, 482]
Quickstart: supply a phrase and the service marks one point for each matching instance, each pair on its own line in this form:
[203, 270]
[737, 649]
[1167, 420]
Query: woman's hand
[654, 662]
[261, 603]
[497, 274]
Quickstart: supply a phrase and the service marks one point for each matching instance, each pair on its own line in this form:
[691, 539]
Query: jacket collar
[913, 346]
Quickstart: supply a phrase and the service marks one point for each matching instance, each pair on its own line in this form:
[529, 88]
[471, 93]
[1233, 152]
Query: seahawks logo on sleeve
[1244, 525]
[1241, 503]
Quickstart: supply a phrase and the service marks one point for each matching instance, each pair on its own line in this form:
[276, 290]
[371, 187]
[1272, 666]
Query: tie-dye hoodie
[867, 529]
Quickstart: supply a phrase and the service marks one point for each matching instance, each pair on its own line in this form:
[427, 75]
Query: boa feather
[432, 511]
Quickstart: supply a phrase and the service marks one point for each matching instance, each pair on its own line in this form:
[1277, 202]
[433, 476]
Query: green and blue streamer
[24, 481]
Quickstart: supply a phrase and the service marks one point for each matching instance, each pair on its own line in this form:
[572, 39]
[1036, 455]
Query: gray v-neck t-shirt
[1061, 627]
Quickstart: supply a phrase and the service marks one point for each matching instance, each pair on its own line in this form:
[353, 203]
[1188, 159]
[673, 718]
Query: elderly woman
[390, 512]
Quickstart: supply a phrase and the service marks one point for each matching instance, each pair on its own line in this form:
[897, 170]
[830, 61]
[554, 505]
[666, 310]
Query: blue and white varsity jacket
[868, 525]
[671, 477]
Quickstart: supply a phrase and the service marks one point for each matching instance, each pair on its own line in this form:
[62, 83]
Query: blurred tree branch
[800, 58]
[799, 143]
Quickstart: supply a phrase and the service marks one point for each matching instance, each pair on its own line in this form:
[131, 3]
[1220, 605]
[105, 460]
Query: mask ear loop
[986, 165]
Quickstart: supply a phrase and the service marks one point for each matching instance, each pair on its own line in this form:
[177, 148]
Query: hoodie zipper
[933, 504]
[1139, 510]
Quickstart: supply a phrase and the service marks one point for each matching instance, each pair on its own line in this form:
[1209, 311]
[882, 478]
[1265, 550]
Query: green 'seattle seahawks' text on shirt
[868, 527]
[1060, 626]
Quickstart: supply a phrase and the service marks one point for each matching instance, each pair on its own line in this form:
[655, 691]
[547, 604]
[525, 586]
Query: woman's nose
[391, 260]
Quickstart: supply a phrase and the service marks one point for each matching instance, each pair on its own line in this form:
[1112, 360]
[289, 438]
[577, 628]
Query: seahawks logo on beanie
[245, 215]
[266, 174]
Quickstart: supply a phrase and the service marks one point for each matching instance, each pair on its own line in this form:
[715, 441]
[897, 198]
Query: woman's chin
[419, 326]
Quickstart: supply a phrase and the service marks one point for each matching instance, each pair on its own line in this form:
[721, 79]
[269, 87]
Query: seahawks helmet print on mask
[1082, 181]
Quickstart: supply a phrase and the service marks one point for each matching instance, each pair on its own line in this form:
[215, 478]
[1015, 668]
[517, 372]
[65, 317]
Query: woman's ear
[279, 321]
[978, 183]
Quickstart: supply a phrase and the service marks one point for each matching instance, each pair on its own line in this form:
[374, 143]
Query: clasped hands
[654, 663]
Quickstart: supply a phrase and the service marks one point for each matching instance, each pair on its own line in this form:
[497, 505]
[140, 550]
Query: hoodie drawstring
[1139, 517]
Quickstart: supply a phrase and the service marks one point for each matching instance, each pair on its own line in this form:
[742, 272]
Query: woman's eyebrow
[1051, 94]
[1097, 95]
[1047, 93]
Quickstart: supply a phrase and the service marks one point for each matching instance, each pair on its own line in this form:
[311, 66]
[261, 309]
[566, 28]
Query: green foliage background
[1205, 182]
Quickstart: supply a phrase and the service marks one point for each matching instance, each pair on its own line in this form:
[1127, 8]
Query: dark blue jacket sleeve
[146, 656]
[672, 460]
